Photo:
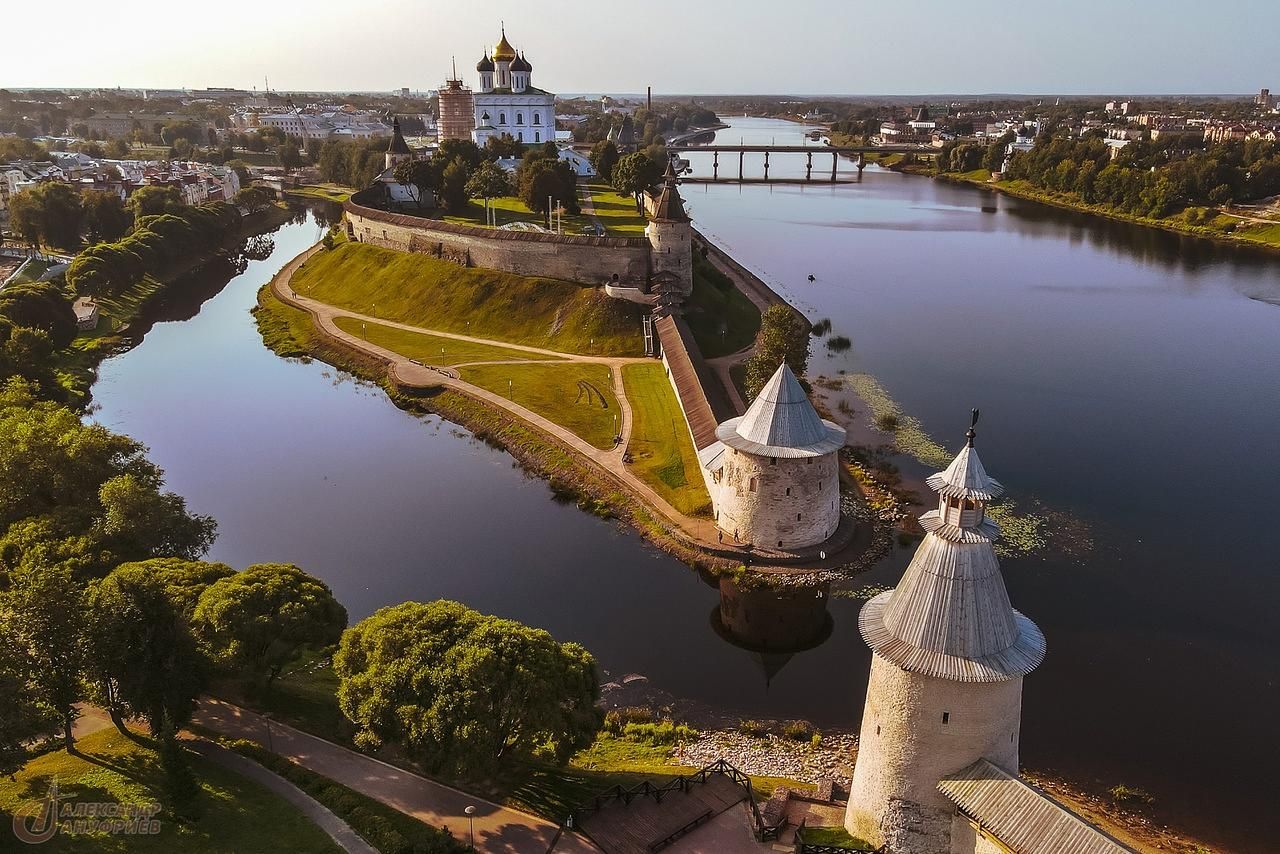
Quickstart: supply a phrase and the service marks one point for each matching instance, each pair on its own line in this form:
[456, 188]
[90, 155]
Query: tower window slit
[946, 717]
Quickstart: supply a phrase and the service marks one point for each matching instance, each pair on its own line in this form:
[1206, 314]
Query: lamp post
[471, 823]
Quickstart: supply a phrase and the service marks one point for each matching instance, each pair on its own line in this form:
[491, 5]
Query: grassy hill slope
[424, 291]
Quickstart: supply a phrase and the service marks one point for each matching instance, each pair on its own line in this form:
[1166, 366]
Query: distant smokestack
[648, 98]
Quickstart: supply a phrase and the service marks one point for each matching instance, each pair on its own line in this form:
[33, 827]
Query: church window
[520, 136]
[502, 118]
[537, 136]
[946, 717]
[519, 118]
[537, 118]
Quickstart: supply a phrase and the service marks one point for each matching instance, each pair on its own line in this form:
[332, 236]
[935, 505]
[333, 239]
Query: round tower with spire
[670, 234]
[776, 484]
[948, 656]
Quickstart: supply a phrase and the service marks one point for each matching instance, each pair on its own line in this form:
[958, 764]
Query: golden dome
[504, 52]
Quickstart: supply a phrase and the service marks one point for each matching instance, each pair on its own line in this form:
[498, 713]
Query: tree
[289, 156]
[152, 200]
[464, 692]
[504, 145]
[260, 619]
[253, 198]
[142, 655]
[784, 337]
[184, 580]
[105, 217]
[419, 174]
[81, 497]
[453, 184]
[604, 156]
[45, 612]
[25, 716]
[47, 214]
[634, 174]
[40, 305]
[487, 182]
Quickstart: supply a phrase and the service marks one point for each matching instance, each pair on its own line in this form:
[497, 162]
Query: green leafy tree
[259, 620]
[153, 200]
[290, 157]
[503, 145]
[453, 184]
[47, 214]
[40, 305]
[82, 497]
[462, 692]
[25, 716]
[420, 175]
[45, 610]
[604, 156]
[488, 181]
[784, 337]
[142, 655]
[105, 217]
[253, 198]
[634, 174]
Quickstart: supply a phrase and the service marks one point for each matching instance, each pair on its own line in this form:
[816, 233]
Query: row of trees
[158, 244]
[1148, 178]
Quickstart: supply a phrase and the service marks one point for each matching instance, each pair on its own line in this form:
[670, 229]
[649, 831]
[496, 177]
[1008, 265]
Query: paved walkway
[339, 831]
[498, 829]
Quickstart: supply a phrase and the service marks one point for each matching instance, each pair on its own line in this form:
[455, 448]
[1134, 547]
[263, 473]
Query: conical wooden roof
[950, 615]
[781, 422]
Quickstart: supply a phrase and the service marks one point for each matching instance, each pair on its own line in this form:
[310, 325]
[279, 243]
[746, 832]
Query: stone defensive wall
[576, 258]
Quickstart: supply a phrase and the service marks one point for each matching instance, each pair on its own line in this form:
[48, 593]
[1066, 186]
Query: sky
[832, 47]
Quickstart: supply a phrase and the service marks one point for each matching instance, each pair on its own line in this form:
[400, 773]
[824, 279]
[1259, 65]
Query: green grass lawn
[617, 213]
[510, 209]
[328, 192]
[722, 319]
[257, 158]
[661, 449]
[431, 349]
[236, 814]
[567, 393]
[32, 271]
[424, 291]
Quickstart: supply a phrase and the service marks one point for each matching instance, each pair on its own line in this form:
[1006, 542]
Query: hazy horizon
[810, 48]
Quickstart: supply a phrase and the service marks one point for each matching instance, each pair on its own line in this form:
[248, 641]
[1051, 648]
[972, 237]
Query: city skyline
[1092, 48]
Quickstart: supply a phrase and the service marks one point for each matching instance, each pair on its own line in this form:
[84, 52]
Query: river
[1128, 383]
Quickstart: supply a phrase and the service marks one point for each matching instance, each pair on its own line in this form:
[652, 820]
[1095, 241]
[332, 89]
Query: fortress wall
[575, 258]
[766, 516]
[904, 749]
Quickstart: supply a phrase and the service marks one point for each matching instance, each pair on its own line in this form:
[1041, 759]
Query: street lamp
[471, 822]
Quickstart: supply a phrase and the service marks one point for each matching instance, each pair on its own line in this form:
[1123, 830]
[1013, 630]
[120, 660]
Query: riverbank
[1221, 227]
[77, 364]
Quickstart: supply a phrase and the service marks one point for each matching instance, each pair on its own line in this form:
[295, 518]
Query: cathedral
[507, 103]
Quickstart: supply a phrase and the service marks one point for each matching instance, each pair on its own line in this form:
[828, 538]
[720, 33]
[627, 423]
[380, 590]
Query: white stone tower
[949, 654]
[776, 484]
[670, 235]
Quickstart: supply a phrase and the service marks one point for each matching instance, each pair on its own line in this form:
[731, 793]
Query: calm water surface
[1128, 378]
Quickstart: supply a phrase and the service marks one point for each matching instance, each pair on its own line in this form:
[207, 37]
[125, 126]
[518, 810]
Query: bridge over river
[858, 152]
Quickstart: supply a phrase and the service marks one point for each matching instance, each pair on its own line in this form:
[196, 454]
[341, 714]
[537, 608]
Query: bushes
[384, 828]
[791, 730]
[636, 723]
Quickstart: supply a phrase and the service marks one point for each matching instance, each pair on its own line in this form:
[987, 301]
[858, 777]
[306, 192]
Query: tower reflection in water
[772, 623]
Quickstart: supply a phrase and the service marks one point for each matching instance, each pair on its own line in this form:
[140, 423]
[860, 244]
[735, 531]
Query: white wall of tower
[788, 503]
[905, 748]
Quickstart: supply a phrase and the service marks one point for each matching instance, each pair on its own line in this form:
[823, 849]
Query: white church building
[506, 102]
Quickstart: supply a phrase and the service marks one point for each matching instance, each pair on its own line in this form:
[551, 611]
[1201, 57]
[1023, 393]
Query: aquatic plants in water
[908, 436]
